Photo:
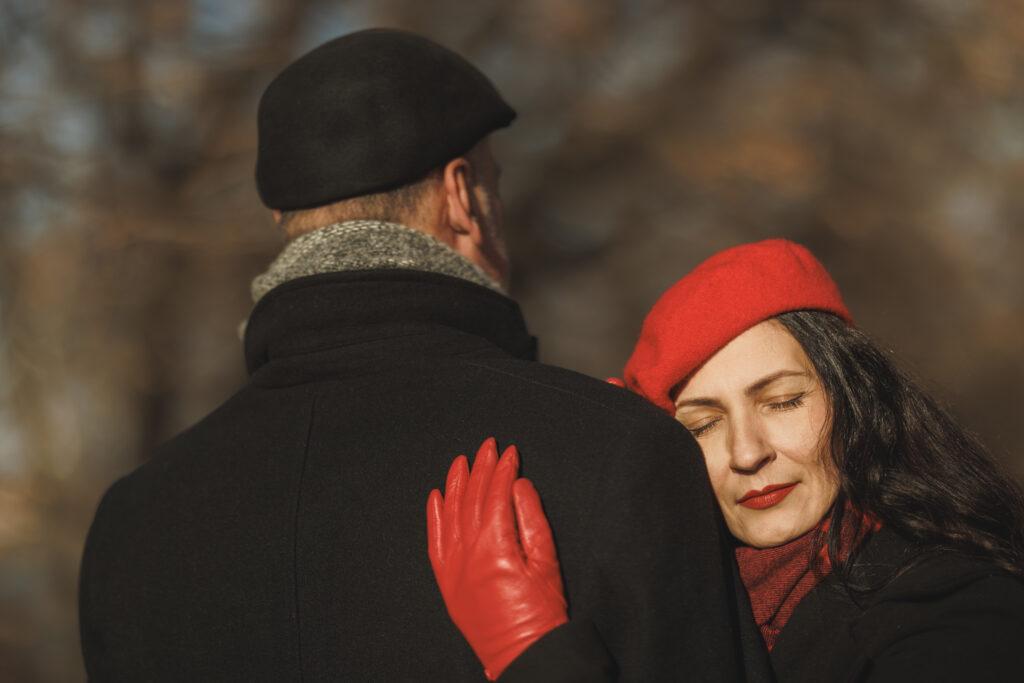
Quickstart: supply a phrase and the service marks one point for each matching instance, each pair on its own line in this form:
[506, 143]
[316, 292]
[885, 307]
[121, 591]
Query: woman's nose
[749, 447]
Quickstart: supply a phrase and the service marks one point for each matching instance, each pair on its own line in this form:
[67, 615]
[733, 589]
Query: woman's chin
[768, 536]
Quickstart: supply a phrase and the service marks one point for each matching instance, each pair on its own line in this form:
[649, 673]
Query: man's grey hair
[400, 205]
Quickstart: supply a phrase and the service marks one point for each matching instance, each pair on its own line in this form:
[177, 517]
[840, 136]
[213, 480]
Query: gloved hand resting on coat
[494, 557]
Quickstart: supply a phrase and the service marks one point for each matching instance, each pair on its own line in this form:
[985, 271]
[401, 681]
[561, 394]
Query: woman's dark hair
[900, 456]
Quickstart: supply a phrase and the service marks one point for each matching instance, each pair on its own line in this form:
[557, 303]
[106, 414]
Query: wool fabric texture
[722, 297]
[368, 112]
[778, 578]
[366, 245]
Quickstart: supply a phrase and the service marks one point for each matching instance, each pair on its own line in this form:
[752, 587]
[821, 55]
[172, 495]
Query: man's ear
[461, 207]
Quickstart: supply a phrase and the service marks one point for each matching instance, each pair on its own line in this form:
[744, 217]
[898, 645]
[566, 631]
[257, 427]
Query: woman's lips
[766, 497]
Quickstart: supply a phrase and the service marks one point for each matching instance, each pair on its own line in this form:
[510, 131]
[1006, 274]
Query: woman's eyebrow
[765, 381]
[699, 401]
[704, 401]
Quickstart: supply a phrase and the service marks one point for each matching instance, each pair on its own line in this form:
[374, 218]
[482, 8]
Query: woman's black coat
[947, 618]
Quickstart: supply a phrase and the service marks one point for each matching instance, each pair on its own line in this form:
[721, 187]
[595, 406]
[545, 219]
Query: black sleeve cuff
[571, 653]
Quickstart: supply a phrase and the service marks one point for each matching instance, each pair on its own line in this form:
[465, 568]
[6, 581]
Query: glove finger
[435, 535]
[498, 520]
[476, 489]
[454, 493]
[535, 533]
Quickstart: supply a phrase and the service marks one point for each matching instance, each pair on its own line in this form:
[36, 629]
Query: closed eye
[794, 402]
[702, 429]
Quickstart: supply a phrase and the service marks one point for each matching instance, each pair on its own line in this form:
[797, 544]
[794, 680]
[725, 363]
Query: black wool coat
[946, 619]
[283, 537]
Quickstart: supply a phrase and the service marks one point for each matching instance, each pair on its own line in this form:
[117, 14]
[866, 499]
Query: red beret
[727, 294]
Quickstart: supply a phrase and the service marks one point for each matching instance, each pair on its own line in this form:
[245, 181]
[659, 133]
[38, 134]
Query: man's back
[283, 538]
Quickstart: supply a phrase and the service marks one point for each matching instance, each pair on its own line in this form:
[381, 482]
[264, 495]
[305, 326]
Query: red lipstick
[767, 497]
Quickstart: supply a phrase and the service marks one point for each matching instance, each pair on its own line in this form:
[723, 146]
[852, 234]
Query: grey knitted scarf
[366, 245]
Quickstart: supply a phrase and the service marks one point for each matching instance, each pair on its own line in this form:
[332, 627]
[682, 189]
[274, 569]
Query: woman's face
[760, 414]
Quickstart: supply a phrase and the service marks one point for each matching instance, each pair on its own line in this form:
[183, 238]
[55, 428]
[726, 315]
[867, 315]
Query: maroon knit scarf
[777, 579]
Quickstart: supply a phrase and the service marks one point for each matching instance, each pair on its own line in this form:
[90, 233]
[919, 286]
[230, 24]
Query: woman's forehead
[761, 355]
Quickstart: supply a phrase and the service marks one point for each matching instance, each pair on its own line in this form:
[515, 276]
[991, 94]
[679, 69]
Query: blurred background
[886, 135]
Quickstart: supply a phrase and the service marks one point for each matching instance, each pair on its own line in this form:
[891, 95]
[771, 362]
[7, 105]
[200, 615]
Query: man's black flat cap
[368, 112]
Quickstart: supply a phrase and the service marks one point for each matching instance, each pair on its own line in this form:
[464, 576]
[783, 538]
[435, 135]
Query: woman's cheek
[717, 465]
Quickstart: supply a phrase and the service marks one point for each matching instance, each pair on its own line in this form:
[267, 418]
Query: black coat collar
[337, 309]
[834, 633]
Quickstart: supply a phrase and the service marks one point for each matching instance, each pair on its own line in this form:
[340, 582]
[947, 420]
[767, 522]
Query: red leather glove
[503, 589]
